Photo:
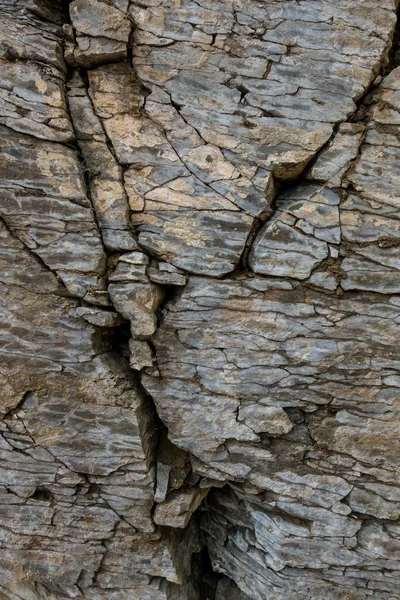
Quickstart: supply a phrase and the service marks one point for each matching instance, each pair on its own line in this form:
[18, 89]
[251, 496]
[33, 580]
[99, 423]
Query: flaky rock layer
[199, 242]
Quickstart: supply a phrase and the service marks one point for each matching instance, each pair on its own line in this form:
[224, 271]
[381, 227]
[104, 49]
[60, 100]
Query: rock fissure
[263, 323]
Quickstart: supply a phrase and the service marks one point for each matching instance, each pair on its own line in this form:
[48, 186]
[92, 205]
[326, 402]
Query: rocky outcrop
[200, 316]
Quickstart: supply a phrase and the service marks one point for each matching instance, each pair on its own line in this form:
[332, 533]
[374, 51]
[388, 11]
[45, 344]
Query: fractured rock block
[137, 302]
[295, 240]
[102, 33]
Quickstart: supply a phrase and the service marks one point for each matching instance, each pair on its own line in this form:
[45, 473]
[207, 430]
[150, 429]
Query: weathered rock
[294, 339]
[77, 436]
[107, 192]
[31, 274]
[295, 240]
[137, 302]
[30, 32]
[369, 218]
[44, 204]
[32, 100]
[99, 317]
[102, 33]
[166, 274]
[78, 443]
[334, 162]
[276, 553]
[230, 94]
[141, 354]
[178, 507]
[72, 419]
[234, 141]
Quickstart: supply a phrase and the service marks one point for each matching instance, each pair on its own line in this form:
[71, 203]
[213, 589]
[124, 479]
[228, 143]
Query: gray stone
[294, 241]
[98, 317]
[178, 507]
[102, 33]
[220, 179]
[333, 162]
[137, 302]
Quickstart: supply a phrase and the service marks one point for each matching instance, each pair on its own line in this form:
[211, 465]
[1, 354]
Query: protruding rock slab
[102, 33]
[295, 240]
[247, 360]
[43, 202]
[370, 213]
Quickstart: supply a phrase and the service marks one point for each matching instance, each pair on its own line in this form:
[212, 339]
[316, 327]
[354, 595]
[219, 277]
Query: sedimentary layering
[200, 313]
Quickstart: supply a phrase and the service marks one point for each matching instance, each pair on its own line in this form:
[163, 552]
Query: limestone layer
[200, 300]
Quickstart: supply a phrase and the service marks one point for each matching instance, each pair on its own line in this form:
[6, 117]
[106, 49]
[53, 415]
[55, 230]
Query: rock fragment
[102, 33]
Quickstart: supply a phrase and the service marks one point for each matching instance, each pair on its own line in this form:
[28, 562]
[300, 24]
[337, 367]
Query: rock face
[200, 315]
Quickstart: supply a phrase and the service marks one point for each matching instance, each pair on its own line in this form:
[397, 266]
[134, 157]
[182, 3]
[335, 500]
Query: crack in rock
[199, 243]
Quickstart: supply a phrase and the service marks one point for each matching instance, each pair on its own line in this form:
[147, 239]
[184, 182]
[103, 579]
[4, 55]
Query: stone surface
[295, 240]
[199, 316]
[32, 100]
[299, 552]
[369, 214]
[334, 162]
[303, 350]
[303, 418]
[178, 507]
[102, 33]
[44, 204]
[238, 93]
[107, 192]
[78, 436]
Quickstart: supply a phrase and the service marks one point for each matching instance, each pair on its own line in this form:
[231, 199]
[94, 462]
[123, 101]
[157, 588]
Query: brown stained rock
[254, 144]
[107, 192]
[45, 205]
[137, 302]
[114, 89]
[32, 100]
[102, 33]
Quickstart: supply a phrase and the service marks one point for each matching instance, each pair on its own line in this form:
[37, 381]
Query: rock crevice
[199, 240]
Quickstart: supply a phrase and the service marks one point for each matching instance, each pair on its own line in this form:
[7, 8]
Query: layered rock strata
[199, 241]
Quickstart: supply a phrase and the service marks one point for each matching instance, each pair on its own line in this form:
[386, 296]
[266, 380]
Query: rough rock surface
[200, 314]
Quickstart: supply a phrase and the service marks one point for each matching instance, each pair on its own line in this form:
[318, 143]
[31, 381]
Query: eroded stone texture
[294, 393]
[78, 443]
[105, 175]
[241, 92]
[78, 435]
[304, 350]
[284, 551]
[44, 204]
[198, 219]
[295, 240]
[369, 213]
[102, 32]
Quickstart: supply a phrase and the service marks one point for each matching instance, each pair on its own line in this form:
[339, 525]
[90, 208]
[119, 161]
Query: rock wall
[200, 252]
